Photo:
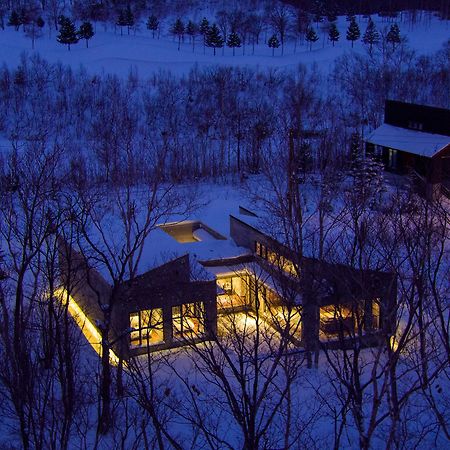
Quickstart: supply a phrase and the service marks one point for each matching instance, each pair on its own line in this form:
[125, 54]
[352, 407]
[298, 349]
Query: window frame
[145, 327]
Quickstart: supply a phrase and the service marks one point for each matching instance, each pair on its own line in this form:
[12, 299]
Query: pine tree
[234, 41]
[67, 32]
[214, 38]
[192, 30]
[333, 33]
[204, 28]
[40, 22]
[14, 20]
[311, 37]
[153, 24]
[273, 43]
[121, 21]
[129, 18]
[353, 32]
[371, 36]
[178, 30]
[393, 36]
[86, 32]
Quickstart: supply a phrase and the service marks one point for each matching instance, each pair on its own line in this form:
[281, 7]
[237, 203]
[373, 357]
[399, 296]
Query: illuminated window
[234, 292]
[275, 258]
[337, 319]
[188, 320]
[261, 249]
[376, 313]
[226, 284]
[147, 326]
[392, 155]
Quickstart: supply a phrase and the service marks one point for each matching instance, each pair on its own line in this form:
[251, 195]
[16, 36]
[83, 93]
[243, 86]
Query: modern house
[414, 139]
[249, 274]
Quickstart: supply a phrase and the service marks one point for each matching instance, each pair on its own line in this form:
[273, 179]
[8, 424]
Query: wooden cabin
[414, 139]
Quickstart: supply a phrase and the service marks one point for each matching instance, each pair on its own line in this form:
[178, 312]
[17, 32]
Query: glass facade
[188, 321]
[147, 327]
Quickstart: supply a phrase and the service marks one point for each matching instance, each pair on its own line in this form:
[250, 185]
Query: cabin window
[415, 125]
[188, 320]
[392, 158]
[147, 327]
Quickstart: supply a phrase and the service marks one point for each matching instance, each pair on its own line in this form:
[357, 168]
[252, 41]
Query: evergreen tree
[178, 30]
[234, 41]
[333, 33]
[311, 37]
[273, 43]
[204, 28]
[153, 24]
[191, 31]
[121, 21]
[129, 18]
[393, 36]
[14, 20]
[40, 22]
[86, 31]
[25, 16]
[67, 32]
[214, 38]
[371, 36]
[353, 32]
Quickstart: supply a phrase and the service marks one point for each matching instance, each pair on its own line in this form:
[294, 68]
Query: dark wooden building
[414, 139]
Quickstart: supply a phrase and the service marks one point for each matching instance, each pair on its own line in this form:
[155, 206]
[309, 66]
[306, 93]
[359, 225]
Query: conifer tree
[129, 18]
[191, 31]
[67, 32]
[214, 38]
[311, 37]
[273, 43]
[178, 30]
[86, 31]
[353, 32]
[153, 24]
[204, 28]
[393, 36]
[371, 36]
[121, 21]
[234, 41]
[14, 20]
[333, 33]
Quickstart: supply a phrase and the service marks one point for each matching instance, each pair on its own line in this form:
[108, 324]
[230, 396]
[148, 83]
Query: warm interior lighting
[393, 343]
[89, 330]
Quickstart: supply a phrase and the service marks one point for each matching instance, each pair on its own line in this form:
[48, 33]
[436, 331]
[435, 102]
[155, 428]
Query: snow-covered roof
[410, 141]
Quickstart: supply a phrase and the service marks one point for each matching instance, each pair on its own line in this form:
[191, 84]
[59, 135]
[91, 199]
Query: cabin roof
[410, 141]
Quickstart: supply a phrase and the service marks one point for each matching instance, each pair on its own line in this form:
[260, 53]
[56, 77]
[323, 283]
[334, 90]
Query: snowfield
[110, 52]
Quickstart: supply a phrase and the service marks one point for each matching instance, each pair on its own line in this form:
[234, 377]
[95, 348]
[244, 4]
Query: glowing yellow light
[393, 343]
[89, 330]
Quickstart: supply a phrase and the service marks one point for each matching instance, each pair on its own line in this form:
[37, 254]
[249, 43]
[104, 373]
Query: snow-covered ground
[109, 52]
